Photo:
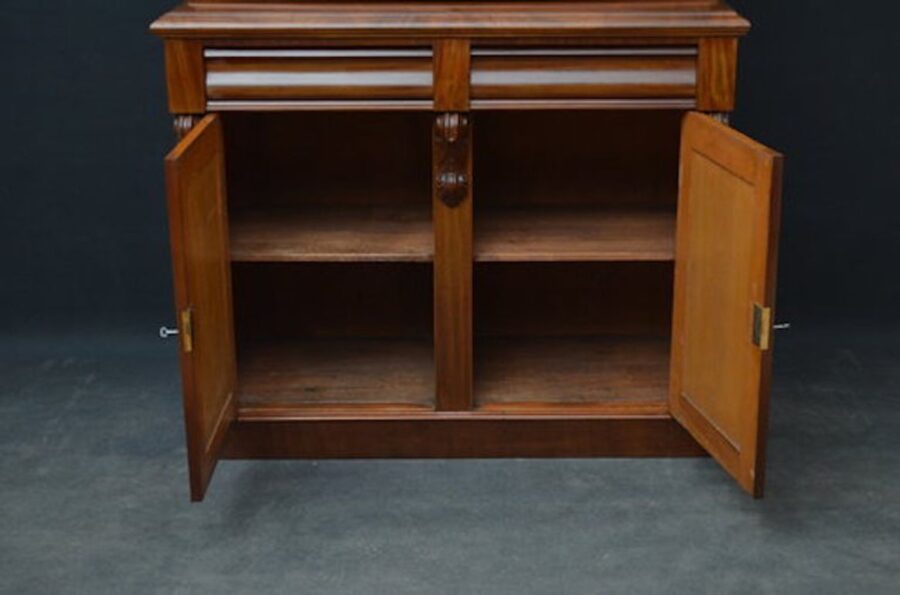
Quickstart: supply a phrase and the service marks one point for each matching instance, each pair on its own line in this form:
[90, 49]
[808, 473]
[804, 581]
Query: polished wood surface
[717, 74]
[291, 374]
[547, 372]
[650, 18]
[568, 234]
[452, 72]
[572, 76]
[449, 436]
[725, 255]
[185, 76]
[198, 222]
[323, 74]
[453, 249]
[332, 234]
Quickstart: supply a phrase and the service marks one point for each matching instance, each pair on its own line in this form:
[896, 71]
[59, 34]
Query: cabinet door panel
[195, 177]
[726, 251]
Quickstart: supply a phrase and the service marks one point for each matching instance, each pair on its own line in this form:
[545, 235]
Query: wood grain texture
[582, 104]
[572, 299]
[306, 373]
[185, 74]
[281, 78]
[335, 300]
[650, 18]
[451, 75]
[727, 231]
[323, 105]
[195, 181]
[717, 74]
[569, 234]
[452, 211]
[625, 371]
[567, 158]
[583, 77]
[328, 159]
[460, 435]
[332, 234]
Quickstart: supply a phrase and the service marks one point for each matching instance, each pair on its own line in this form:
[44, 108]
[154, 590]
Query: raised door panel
[195, 176]
[726, 247]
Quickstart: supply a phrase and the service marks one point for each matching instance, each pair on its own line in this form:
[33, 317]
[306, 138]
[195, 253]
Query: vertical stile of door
[452, 213]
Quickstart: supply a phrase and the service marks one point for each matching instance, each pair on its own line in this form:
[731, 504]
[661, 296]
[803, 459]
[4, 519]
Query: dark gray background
[83, 224]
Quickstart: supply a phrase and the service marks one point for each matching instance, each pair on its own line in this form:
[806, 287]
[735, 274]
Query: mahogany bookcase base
[468, 229]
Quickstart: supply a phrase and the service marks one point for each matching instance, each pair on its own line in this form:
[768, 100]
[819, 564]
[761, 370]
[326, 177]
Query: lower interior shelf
[334, 372]
[614, 375]
[629, 373]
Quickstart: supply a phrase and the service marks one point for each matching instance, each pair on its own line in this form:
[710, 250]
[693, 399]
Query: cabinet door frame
[198, 226]
[725, 272]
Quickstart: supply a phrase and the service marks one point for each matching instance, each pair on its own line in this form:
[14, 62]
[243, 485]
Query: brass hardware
[721, 117]
[187, 330]
[762, 326]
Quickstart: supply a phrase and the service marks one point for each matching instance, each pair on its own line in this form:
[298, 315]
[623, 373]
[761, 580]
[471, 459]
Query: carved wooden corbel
[451, 155]
[183, 123]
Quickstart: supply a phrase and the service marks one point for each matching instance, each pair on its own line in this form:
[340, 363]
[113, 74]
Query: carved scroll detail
[451, 154]
[183, 124]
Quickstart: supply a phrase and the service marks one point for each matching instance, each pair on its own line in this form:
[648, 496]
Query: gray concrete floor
[93, 495]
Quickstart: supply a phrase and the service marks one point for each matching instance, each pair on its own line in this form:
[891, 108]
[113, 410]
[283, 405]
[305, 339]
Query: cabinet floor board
[329, 372]
[574, 372]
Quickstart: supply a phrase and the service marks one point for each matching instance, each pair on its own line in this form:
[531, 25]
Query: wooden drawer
[318, 74]
[584, 73]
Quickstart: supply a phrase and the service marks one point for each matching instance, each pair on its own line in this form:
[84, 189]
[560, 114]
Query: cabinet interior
[574, 236]
[332, 249]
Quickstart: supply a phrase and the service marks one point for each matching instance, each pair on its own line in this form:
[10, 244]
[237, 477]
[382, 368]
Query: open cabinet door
[725, 265]
[195, 180]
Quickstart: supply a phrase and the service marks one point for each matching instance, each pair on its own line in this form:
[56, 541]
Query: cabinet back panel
[608, 158]
[573, 299]
[325, 158]
[313, 300]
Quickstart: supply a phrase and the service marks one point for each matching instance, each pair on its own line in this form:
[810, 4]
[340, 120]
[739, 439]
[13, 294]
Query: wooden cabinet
[468, 230]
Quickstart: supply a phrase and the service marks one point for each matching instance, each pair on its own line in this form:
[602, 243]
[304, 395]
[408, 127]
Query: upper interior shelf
[598, 18]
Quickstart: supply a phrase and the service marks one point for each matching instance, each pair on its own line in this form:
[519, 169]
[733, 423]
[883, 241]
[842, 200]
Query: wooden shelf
[630, 374]
[570, 234]
[336, 372]
[332, 234]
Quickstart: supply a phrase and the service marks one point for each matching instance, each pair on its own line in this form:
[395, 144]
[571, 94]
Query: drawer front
[318, 74]
[589, 73]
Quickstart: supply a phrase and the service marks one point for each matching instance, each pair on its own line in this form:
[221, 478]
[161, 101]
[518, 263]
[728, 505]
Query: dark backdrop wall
[83, 226]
